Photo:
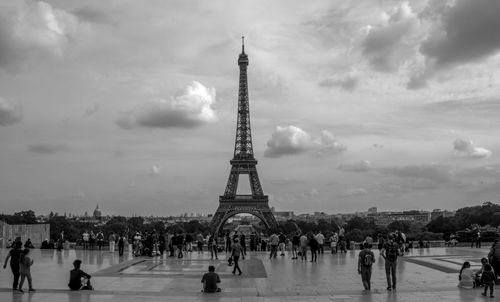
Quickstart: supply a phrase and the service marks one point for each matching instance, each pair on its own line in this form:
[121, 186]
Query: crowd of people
[234, 244]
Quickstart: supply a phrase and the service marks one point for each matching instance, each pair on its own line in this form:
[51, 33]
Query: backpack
[392, 253]
[368, 260]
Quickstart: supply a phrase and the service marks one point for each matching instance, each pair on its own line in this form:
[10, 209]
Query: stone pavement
[423, 275]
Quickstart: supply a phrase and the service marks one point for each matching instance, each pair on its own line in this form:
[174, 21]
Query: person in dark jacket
[76, 275]
[15, 256]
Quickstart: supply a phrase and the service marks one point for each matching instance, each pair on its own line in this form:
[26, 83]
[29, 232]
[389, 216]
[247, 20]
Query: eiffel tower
[243, 162]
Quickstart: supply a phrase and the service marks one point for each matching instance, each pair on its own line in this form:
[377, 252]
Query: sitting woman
[466, 277]
[78, 279]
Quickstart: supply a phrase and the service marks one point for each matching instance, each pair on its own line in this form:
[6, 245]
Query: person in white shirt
[321, 240]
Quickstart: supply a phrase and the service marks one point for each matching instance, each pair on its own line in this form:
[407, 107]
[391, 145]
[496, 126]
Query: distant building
[385, 218]
[97, 213]
[441, 213]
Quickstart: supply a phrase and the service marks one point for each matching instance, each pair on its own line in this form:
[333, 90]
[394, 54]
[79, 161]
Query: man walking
[365, 261]
[390, 253]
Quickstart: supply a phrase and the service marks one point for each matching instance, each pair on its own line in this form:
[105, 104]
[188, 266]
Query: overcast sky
[132, 104]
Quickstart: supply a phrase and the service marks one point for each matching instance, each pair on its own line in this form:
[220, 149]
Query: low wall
[36, 232]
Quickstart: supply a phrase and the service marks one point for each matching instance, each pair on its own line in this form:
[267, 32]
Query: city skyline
[132, 106]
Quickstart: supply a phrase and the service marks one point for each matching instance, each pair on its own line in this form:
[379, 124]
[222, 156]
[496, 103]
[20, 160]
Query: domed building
[97, 213]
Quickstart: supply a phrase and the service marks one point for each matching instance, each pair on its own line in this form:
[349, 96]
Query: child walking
[24, 269]
[488, 279]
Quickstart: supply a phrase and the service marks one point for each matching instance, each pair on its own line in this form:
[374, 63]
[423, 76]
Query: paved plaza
[423, 275]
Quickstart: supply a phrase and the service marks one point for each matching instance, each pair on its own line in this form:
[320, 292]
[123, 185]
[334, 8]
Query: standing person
[236, 253]
[155, 240]
[112, 240]
[243, 243]
[199, 241]
[494, 257]
[121, 244]
[100, 240]
[282, 243]
[92, 240]
[137, 244]
[478, 239]
[380, 240]
[488, 279]
[295, 244]
[212, 245]
[85, 240]
[314, 246]
[274, 241]
[333, 242]
[24, 269]
[341, 233]
[303, 247]
[180, 245]
[60, 241]
[321, 240]
[252, 242]
[365, 261]
[189, 245]
[390, 253]
[210, 281]
[228, 243]
[76, 275]
[15, 256]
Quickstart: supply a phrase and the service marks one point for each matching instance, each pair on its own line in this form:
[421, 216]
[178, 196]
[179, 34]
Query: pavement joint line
[360, 292]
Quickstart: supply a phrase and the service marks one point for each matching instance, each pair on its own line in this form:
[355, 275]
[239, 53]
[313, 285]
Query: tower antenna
[243, 44]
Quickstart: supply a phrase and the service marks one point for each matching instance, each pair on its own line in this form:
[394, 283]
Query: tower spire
[243, 44]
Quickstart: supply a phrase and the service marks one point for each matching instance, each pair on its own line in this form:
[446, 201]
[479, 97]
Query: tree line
[485, 216]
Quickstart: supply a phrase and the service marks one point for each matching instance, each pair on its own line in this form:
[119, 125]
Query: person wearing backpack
[365, 261]
[390, 253]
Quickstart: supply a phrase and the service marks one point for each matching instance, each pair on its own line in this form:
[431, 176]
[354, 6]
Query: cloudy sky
[132, 104]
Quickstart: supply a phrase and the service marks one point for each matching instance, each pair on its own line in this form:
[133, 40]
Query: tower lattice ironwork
[243, 162]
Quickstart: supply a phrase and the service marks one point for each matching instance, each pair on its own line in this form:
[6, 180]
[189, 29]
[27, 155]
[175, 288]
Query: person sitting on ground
[210, 281]
[76, 275]
[466, 277]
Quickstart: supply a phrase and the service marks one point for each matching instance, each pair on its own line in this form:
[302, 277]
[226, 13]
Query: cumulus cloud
[467, 148]
[288, 141]
[47, 148]
[348, 83]
[9, 114]
[189, 107]
[33, 30]
[293, 140]
[329, 145]
[361, 166]
[455, 41]
[385, 45]
[436, 173]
